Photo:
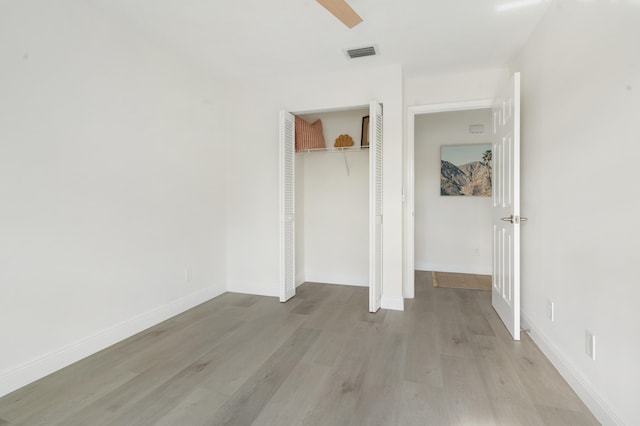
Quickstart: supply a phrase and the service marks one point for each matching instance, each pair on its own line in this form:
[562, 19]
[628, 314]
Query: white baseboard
[393, 303]
[258, 288]
[356, 280]
[578, 382]
[35, 369]
[458, 269]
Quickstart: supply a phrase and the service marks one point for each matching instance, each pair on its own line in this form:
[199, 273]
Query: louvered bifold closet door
[287, 206]
[375, 206]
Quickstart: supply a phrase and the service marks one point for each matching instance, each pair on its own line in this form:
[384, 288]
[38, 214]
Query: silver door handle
[514, 219]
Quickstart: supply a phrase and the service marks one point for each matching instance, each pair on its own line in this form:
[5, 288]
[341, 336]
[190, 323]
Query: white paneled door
[375, 206]
[287, 207]
[505, 295]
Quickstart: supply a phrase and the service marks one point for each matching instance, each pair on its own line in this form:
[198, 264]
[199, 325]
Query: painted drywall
[580, 103]
[336, 205]
[463, 86]
[253, 223]
[112, 185]
[452, 233]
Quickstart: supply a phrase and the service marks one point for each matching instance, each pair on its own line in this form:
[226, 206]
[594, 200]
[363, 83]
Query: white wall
[336, 205]
[580, 150]
[464, 86]
[252, 237]
[111, 181]
[452, 234]
[337, 218]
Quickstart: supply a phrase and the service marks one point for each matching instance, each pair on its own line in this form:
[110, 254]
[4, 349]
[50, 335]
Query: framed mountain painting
[466, 170]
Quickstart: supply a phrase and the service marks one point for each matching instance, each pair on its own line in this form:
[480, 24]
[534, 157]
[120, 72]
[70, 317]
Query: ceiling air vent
[361, 52]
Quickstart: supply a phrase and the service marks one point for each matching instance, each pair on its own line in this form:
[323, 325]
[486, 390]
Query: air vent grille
[361, 52]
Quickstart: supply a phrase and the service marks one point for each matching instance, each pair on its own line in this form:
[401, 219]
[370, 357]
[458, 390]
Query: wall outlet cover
[590, 344]
[550, 310]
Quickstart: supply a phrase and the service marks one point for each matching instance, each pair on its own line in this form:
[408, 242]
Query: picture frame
[466, 170]
[364, 139]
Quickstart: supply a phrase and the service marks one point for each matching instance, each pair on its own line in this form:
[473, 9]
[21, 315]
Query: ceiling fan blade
[341, 10]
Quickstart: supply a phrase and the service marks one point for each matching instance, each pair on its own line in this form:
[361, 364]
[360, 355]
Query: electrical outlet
[550, 310]
[590, 344]
[187, 275]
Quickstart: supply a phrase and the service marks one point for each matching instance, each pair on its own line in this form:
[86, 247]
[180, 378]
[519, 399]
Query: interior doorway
[410, 195]
[505, 182]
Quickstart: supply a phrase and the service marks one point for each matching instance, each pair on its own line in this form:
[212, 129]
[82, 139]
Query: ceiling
[260, 37]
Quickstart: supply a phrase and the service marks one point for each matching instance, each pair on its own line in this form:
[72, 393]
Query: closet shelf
[342, 149]
[334, 149]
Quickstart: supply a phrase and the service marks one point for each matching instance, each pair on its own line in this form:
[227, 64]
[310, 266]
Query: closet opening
[329, 232]
[332, 204]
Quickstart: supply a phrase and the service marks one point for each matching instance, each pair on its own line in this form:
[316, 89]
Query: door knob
[514, 219]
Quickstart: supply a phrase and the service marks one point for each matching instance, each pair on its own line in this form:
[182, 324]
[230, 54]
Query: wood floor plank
[465, 393]
[326, 318]
[305, 308]
[295, 399]
[339, 396]
[195, 338]
[195, 408]
[378, 401]
[246, 404]
[477, 324]
[228, 367]
[422, 364]
[540, 379]
[453, 338]
[421, 404]
[319, 359]
[510, 401]
[328, 347]
[163, 366]
[59, 406]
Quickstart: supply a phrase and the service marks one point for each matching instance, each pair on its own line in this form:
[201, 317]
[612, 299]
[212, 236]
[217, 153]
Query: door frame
[372, 220]
[408, 282]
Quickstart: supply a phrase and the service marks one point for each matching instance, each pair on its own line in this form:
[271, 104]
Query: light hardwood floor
[319, 359]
